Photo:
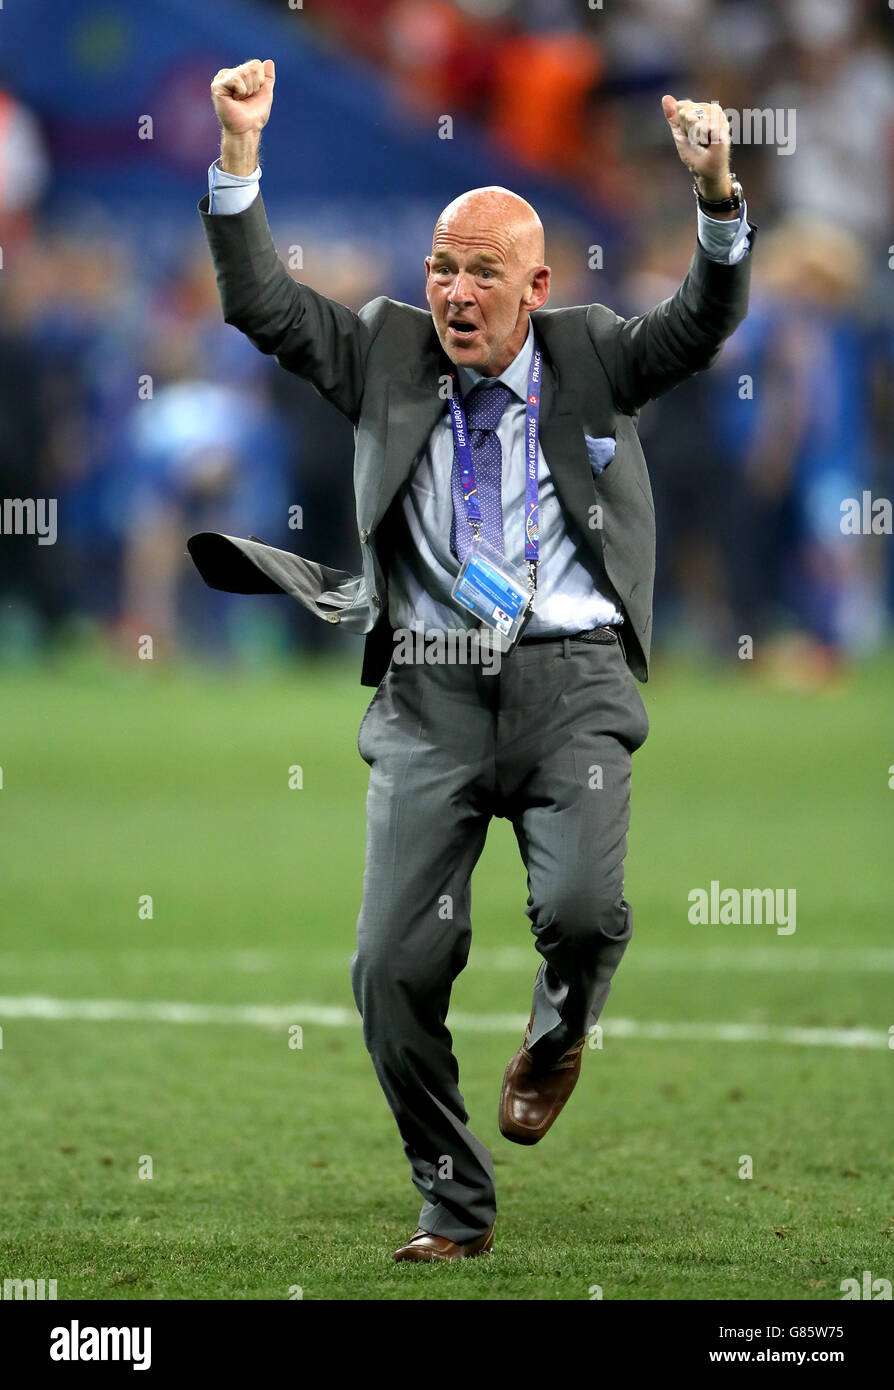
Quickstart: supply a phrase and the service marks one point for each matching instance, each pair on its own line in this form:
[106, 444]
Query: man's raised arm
[647, 355]
[313, 336]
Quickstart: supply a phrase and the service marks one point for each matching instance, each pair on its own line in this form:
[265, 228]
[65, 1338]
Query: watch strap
[731, 204]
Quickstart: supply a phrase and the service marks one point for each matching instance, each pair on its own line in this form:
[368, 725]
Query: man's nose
[460, 292]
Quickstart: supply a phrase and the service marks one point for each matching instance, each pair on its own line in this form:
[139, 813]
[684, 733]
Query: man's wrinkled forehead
[460, 233]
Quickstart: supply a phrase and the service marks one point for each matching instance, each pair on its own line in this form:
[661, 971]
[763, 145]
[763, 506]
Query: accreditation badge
[495, 591]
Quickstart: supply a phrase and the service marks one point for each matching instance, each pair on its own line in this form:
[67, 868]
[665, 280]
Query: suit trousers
[547, 744]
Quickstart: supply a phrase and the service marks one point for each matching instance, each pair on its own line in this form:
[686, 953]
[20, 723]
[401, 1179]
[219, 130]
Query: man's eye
[485, 272]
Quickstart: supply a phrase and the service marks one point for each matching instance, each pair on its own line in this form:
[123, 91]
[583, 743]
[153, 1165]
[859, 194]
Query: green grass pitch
[277, 1168]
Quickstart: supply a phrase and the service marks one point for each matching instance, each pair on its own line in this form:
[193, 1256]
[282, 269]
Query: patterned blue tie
[484, 408]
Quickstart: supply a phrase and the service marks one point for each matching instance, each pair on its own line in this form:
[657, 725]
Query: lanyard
[467, 468]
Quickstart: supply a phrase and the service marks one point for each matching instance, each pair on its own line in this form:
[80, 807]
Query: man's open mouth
[461, 329]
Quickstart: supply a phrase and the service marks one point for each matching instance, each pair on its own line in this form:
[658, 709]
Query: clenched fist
[702, 137]
[243, 96]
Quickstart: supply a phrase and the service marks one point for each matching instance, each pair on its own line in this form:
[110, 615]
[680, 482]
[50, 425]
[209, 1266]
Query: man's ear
[427, 276]
[541, 287]
[537, 293]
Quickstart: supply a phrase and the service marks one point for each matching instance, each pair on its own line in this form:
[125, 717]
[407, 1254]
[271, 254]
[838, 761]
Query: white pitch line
[173, 1011]
[282, 1015]
[786, 957]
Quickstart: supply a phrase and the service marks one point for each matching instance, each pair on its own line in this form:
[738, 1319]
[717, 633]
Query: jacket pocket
[600, 451]
[365, 720]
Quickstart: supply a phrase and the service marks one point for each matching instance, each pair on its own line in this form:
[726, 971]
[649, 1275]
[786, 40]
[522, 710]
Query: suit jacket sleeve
[313, 336]
[647, 355]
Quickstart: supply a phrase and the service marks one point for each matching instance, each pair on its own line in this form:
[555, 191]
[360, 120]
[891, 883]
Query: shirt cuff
[231, 193]
[727, 242]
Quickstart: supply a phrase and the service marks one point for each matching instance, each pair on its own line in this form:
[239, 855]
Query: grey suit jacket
[383, 367]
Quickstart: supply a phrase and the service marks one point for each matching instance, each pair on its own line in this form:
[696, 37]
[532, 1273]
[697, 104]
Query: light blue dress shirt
[422, 574]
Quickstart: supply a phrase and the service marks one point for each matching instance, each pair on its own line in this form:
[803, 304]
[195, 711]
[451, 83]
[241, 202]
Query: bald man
[504, 511]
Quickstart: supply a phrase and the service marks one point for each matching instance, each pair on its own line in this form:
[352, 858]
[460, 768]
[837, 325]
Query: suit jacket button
[333, 618]
[364, 537]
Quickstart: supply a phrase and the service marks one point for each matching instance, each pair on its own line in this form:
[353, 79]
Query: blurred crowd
[124, 396]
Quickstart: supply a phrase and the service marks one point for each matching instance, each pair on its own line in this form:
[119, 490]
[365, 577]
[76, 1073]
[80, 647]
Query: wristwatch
[731, 204]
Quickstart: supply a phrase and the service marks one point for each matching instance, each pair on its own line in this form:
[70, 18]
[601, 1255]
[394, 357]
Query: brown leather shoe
[532, 1098]
[426, 1247]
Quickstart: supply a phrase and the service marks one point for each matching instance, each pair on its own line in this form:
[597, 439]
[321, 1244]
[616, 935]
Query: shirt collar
[515, 375]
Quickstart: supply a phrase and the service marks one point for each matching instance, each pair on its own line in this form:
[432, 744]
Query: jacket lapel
[413, 409]
[565, 450]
